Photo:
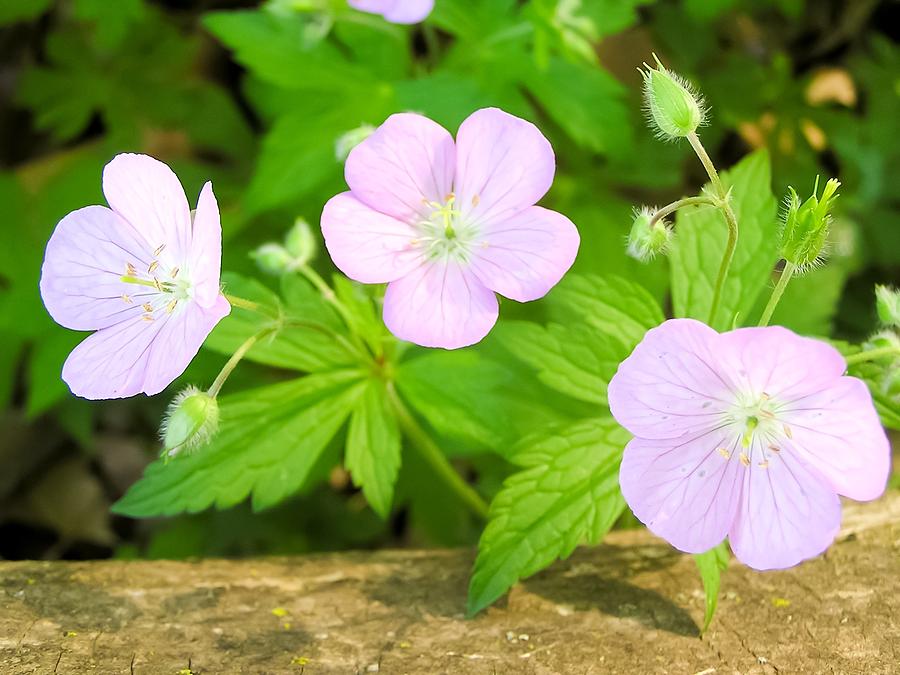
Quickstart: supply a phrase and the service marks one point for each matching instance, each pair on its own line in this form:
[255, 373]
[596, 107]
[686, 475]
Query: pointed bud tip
[673, 107]
[806, 226]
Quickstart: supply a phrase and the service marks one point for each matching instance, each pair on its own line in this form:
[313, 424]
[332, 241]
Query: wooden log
[632, 605]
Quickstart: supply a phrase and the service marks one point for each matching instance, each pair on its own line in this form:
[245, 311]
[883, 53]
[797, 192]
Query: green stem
[235, 359]
[243, 303]
[669, 209]
[730, 219]
[872, 354]
[786, 274]
[432, 454]
[313, 277]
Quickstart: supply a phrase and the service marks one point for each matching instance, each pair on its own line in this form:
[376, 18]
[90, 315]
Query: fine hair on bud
[887, 304]
[674, 108]
[190, 422]
[805, 226]
[648, 239]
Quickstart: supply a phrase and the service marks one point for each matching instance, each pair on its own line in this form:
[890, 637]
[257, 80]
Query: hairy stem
[669, 209]
[786, 274]
[730, 219]
[231, 364]
[432, 454]
[872, 354]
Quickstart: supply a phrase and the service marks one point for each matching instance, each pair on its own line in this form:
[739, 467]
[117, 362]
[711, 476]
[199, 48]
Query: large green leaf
[711, 565]
[373, 447]
[568, 494]
[270, 440]
[699, 245]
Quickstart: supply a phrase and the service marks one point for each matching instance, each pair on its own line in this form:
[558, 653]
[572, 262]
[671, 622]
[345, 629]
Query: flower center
[444, 233]
[169, 286]
[760, 433]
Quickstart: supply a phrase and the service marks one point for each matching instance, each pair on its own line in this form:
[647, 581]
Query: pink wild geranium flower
[141, 274]
[447, 225]
[396, 11]
[751, 434]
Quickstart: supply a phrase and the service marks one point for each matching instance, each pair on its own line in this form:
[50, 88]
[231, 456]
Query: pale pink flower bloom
[396, 11]
[447, 225]
[141, 274]
[751, 434]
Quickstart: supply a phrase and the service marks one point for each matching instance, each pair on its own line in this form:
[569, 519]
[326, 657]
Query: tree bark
[632, 605]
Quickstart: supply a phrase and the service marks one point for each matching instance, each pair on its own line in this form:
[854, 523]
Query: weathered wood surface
[629, 606]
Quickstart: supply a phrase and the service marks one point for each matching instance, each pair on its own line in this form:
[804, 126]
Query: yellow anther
[767, 414]
[745, 460]
[127, 298]
[484, 244]
[476, 200]
[147, 307]
[787, 431]
[171, 306]
[153, 267]
[724, 453]
[162, 247]
[174, 272]
[765, 396]
[157, 284]
[774, 448]
[147, 317]
[130, 270]
[764, 464]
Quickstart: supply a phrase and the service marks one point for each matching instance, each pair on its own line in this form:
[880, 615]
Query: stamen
[475, 200]
[162, 247]
[148, 307]
[153, 267]
[484, 244]
[787, 431]
[171, 306]
[130, 270]
[127, 298]
[724, 453]
[745, 460]
[764, 464]
[147, 317]
[174, 272]
[157, 284]
[774, 448]
[767, 414]
[765, 396]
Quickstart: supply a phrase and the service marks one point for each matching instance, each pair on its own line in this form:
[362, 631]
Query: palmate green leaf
[711, 565]
[269, 441]
[294, 347]
[699, 245]
[373, 447]
[567, 494]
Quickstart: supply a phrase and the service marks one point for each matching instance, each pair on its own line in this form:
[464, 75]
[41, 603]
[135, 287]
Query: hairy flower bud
[806, 225]
[646, 241]
[300, 243]
[349, 140]
[673, 108]
[272, 258]
[190, 422]
[887, 302]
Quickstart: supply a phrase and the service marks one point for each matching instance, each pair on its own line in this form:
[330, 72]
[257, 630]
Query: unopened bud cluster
[190, 422]
[806, 225]
[887, 303]
[648, 239]
[673, 107]
[298, 249]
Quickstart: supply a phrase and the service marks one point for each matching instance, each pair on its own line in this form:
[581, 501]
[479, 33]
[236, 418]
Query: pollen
[724, 453]
[127, 298]
[147, 307]
[744, 459]
[147, 317]
[787, 431]
[174, 272]
[764, 464]
[153, 266]
[160, 249]
[130, 270]
[774, 448]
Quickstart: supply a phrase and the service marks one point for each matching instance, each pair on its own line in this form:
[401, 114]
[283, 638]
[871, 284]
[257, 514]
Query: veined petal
[526, 255]
[405, 164]
[367, 245]
[440, 304]
[503, 165]
[147, 194]
[672, 384]
[838, 431]
[788, 513]
[137, 356]
[81, 277]
[779, 362]
[684, 490]
[206, 248]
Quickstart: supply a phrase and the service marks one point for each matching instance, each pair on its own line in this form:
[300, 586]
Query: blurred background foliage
[255, 97]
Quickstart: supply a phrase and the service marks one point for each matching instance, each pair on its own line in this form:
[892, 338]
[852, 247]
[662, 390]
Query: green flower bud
[673, 107]
[346, 142]
[646, 241]
[806, 226]
[272, 258]
[300, 243]
[887, 302]
[190, 422]
[881, 340]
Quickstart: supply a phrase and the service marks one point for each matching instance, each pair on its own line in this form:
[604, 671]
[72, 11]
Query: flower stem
[328, 293]
[243, 303]
[730, 219]
[786, 274]
[679, 204]
[235, 359]
[433, 455]
[872, 354]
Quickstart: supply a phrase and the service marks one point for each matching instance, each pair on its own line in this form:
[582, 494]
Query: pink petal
[148, 195]
[787, 513]
[408, 161]
[408, 11]
[503, 165]
[672, 384]
[206, 249]
[683, 490]
[81, 278]
[366, 245]
[138, 356]
[526, 255]
[440, 304]
[779, 362]
[837, 430]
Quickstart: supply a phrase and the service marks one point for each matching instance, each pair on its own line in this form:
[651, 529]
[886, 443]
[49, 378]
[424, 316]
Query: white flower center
[760, 434]
[445, 234]
[160, 286]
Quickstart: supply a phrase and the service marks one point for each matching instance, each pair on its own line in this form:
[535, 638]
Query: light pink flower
[396, 11]
[449, 224]
[751, 434]
[141, 274]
